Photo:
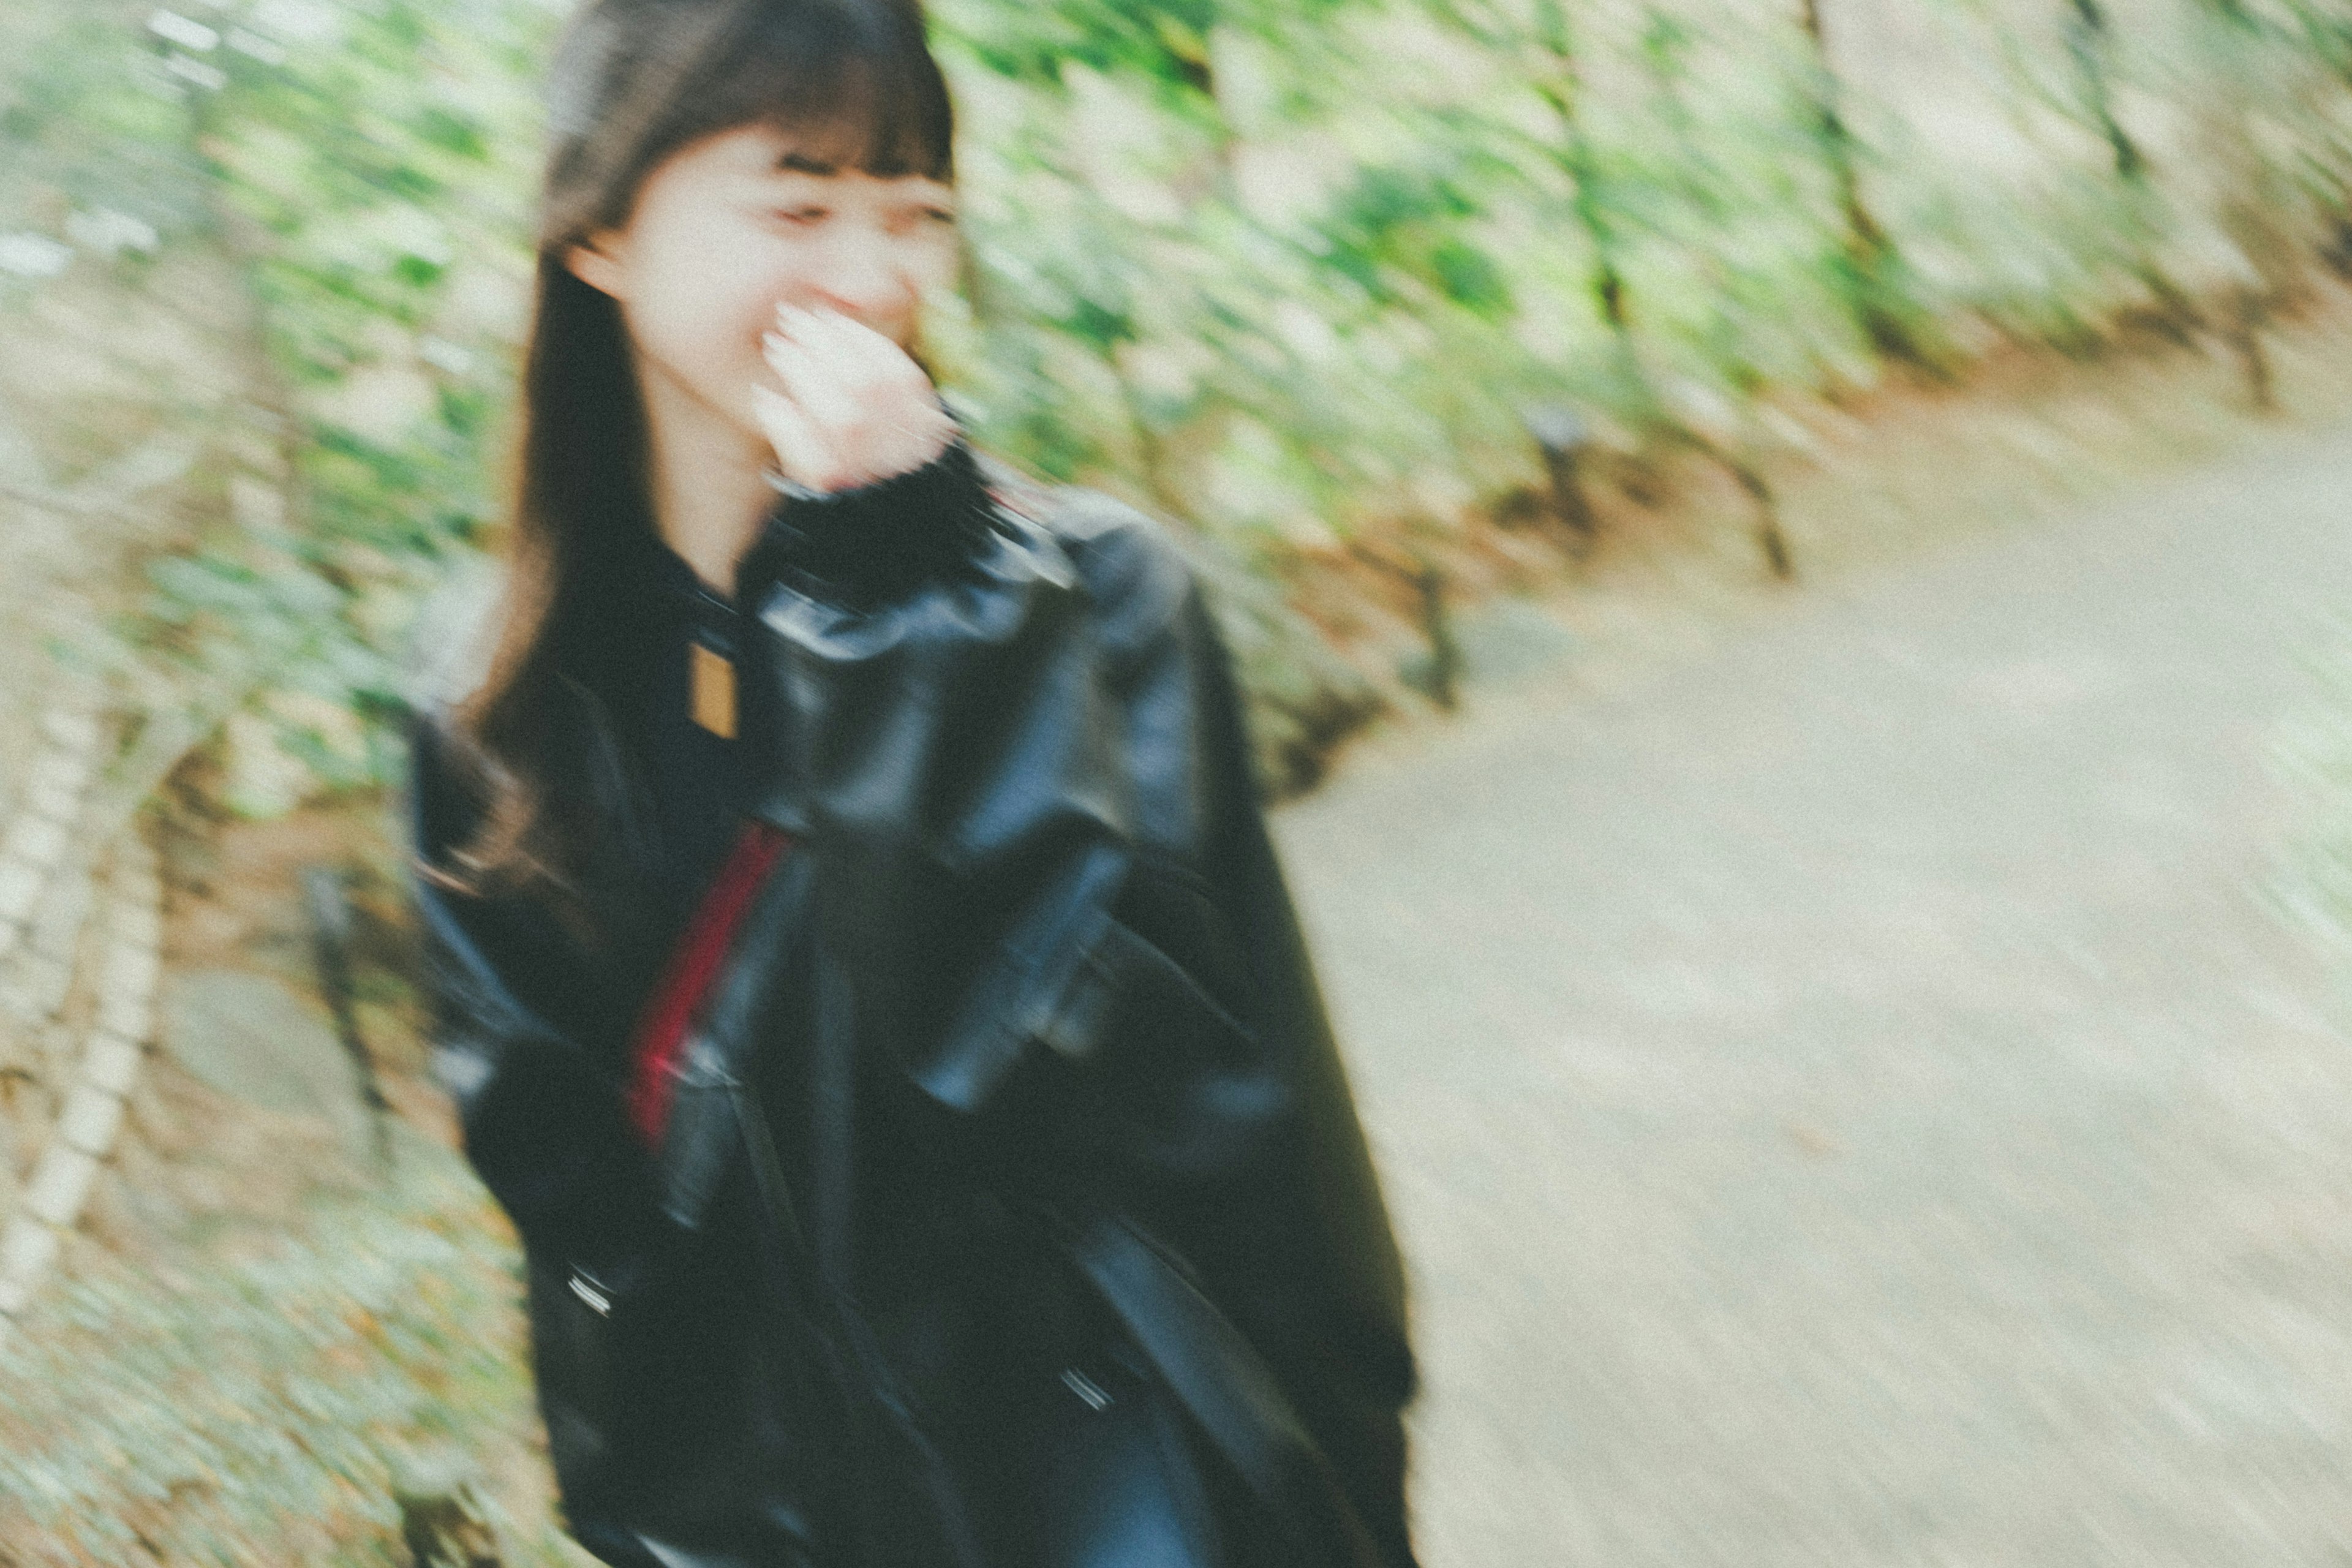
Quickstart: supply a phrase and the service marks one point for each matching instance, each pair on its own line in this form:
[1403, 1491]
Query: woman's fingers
[886, 364]
[802, 455]
[868, 362]
[824, 395]
[855, 394]
[910, 425]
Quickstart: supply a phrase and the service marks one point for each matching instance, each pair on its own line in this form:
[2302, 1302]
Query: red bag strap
[669, 1018]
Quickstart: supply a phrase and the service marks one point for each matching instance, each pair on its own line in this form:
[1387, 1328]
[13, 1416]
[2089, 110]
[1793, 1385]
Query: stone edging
[35, 845]
[36, 848]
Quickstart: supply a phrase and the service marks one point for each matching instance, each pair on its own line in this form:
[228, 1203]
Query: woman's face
[728, 228]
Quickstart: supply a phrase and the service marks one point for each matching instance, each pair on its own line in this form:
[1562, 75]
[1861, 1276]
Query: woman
[864, 978]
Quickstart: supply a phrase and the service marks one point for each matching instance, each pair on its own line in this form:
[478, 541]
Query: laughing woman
[863, 970]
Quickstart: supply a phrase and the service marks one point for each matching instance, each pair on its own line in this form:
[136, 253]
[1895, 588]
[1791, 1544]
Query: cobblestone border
[76, 803]
[112, 1056]
[36, 844]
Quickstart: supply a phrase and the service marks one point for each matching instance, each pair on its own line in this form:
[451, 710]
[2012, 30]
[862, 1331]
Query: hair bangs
[853, 88]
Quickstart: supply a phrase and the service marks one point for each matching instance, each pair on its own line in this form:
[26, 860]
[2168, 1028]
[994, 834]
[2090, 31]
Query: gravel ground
[1845, 1092]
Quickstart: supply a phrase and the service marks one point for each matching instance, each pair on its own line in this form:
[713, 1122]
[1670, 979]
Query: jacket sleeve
[1296, 1236]
[1046, 881]
[541, 1114]
[1209, 1092]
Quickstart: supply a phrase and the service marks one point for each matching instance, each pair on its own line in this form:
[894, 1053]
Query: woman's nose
[862, 280]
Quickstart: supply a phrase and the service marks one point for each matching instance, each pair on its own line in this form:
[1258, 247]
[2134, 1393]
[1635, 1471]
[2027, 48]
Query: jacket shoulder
[1130, 565]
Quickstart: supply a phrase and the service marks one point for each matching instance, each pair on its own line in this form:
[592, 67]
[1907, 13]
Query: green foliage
[372, 166]
[1276, 270]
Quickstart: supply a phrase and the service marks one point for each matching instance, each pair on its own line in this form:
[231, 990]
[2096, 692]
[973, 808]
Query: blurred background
[1787, 558]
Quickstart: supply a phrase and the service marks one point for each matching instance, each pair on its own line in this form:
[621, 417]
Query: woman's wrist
[873, 540]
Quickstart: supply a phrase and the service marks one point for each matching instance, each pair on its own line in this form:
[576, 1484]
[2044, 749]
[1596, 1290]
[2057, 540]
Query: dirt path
[1842, 1092]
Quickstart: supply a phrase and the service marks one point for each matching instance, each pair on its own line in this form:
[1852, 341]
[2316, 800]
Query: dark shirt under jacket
[858, 546]
[697, 779]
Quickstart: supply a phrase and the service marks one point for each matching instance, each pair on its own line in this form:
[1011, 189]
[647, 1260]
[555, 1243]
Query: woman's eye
[802, 216]
[907, 220]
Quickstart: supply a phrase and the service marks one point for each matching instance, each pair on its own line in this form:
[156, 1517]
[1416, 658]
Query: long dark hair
[853, 82]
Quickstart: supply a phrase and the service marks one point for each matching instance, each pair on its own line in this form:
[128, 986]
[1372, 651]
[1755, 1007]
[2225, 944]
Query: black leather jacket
[1031, 964]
